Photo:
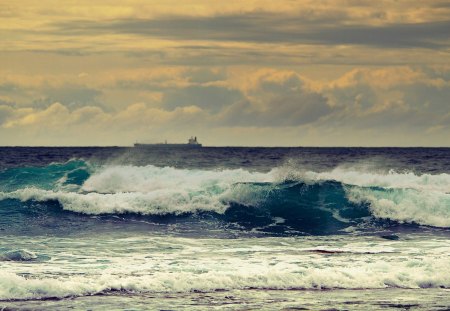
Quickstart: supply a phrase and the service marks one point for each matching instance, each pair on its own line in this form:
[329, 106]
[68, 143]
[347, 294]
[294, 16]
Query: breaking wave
[408, 274]
[306, 201]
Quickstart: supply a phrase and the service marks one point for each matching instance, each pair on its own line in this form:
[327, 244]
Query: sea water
[225, 228]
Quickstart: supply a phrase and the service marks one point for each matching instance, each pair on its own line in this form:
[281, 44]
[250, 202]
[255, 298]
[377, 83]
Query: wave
[406, 205]
[297, 199]
[66, 175]
[387, 180]
[380, 274]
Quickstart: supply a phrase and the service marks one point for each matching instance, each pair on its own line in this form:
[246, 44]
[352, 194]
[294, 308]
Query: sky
[232, 73]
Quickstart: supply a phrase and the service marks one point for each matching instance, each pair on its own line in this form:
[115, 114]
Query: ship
[192, 143]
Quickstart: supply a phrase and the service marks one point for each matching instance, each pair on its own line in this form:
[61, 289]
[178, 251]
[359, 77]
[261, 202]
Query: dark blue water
[420, 160]
[237, 228]
[242, 191]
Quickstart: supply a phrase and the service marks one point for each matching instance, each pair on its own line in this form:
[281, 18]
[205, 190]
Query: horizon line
[224, 146]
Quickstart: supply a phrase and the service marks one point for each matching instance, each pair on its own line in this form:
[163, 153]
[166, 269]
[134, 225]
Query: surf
[284, 198]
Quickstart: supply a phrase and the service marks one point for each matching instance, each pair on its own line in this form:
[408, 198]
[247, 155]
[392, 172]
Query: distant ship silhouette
[192, 143]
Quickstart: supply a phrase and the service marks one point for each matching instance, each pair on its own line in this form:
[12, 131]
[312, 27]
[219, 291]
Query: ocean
[224, 228]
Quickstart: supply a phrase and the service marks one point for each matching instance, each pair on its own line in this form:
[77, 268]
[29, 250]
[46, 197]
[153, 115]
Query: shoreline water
[228, 228]
[380, 299]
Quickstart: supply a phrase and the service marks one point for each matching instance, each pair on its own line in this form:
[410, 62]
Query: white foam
[151, 190]
[422, 199]
[158, 202]
[407, 197]
[150, 178]
[380, 274]
[389, 180]
[406, 205]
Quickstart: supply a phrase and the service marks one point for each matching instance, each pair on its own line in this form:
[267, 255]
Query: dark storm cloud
[271, 28]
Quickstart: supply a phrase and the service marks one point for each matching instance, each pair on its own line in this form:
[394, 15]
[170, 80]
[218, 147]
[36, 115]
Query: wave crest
[339, 197]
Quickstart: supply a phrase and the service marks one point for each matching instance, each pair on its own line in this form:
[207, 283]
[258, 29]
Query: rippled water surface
[225, 228]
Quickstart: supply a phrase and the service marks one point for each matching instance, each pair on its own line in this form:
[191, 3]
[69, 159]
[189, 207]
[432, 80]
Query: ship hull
[168, 145]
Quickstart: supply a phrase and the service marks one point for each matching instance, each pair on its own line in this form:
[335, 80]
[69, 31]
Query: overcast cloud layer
[289, 73]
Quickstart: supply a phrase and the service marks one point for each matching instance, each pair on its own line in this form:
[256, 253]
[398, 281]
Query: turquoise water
[119, 230]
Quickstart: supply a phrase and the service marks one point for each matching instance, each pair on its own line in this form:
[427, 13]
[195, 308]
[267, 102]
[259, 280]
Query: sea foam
[151, 190]
[408, 274]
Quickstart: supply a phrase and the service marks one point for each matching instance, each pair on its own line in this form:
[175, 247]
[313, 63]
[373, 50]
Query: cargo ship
[192, 143]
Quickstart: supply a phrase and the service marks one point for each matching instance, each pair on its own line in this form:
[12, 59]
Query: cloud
[276, 100]
[5, 113]
[43, 92]
[397, 97]
[368, 102]
[205, 75]
[331, 71]
[72, 96]
[206, 33]
[209, 98]
[8, 88]
[54, 115]
[267, 27]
